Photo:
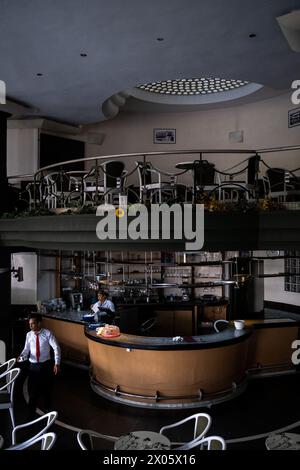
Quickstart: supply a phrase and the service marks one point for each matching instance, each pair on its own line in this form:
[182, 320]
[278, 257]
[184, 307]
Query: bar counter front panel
[178, 374]
[162, 373]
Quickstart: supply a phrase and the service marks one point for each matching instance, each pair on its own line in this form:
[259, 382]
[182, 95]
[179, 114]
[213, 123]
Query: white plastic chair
[85, 438]
[212, 443]
[47, 441]
[45, 421]
[6, 366]
[202, 423]
[7, 398]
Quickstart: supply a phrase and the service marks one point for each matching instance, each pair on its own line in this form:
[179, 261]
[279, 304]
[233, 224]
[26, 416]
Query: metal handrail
[198, 153]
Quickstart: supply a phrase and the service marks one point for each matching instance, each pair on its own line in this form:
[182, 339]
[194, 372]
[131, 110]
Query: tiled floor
[268, 404]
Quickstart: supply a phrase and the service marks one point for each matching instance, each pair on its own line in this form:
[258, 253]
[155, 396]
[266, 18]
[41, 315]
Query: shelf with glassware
[153, 278]
[159, 276]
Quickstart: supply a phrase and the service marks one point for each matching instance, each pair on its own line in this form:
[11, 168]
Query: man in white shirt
[41, 370]
[106, 309]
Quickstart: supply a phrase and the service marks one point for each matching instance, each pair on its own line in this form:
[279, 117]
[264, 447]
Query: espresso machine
[246, 296]
[76, 299]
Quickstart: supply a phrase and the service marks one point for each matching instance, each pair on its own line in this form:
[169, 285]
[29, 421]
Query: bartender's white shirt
[106, 304]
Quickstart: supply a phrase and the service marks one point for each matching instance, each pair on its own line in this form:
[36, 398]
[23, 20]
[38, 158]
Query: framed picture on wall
[294, 117]
[164, 136]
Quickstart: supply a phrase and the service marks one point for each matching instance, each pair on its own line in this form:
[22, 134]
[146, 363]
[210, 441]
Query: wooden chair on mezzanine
[158, 190]
[205, 177]
[34, 191]
[62, 189]
[282, 184]
[231, 190]
[109, 186]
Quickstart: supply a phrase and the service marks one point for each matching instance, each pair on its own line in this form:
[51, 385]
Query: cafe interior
[152, 152]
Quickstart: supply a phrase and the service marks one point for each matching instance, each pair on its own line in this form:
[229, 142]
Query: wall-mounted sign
[294, 117]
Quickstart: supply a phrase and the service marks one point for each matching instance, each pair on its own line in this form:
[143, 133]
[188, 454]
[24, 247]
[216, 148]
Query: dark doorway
[55, 149]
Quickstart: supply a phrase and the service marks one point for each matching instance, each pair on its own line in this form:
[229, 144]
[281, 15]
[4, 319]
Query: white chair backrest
[212, 443]
[47, 441]
[10, 377]
[45, 421]
[202, 423]
[85, 441]
[5, 366]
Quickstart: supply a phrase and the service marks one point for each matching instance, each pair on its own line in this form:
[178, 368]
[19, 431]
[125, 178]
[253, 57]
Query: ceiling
[134, 42]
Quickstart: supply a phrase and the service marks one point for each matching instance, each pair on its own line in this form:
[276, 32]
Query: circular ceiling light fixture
[194, 91]
[192, 86]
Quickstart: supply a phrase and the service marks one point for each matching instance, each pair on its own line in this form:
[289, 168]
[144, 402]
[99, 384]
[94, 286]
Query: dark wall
[55, 149]
[3, 162]
[5, 320]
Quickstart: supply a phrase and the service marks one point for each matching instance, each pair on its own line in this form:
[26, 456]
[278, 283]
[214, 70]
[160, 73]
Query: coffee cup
[239, 324]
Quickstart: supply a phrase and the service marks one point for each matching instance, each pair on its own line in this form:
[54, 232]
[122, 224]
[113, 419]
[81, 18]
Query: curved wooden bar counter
[69, 331]
[161, 373]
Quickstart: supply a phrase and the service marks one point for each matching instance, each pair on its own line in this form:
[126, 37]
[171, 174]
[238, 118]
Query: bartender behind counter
[104, 309]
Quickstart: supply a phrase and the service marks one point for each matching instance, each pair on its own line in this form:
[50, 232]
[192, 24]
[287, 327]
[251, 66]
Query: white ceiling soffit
[114, 104]
[43, 124]
[56, 128]
[17, 108]
[290, 26]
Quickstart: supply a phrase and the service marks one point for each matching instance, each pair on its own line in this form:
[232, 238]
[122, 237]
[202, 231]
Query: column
[3, 162]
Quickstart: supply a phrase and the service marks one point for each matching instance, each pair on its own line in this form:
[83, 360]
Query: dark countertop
[274, 319]
[68, 315]
[76, 317]
[213, 340]
[176, 304]
[272, 322]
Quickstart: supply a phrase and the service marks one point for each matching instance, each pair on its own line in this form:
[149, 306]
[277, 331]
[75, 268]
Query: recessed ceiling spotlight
[252, 35]
[83, 54]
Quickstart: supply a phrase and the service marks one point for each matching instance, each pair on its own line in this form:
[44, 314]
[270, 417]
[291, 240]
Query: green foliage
[211, 204]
